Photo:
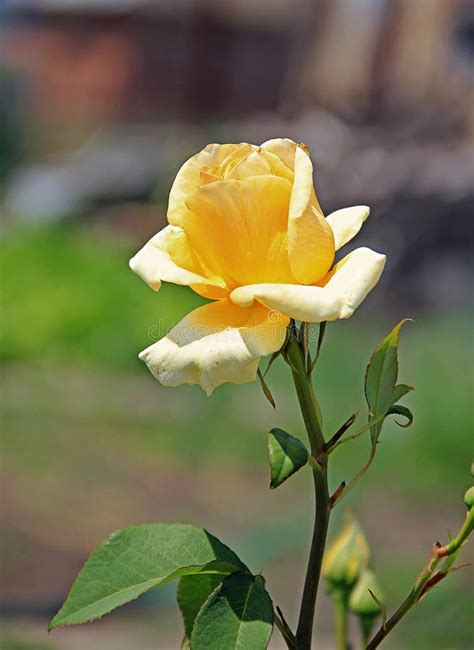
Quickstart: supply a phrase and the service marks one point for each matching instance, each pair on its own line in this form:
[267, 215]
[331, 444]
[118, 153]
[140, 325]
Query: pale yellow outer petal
[310, 238]
[346, 223]
[168, 257]
[349, 284]
[219, 342]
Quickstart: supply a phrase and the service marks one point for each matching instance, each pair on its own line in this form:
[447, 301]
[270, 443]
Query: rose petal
[168, 257]
[239, 228]
[188, 178]
[346, 223]
[348, 285]
[284, 148]
[310, 238]
[253, 164]
[216, 343]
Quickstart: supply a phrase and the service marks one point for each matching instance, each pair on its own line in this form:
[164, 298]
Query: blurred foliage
[72, 298]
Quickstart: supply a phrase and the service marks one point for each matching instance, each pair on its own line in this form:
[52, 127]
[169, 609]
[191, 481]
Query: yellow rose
[246, 231]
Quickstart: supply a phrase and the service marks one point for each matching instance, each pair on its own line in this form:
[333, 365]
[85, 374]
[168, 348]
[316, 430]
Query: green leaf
[381, 389]
[400, 391]
[398, 409]
[286, 454]
[139, 558]
[237, 616]
[193, 591]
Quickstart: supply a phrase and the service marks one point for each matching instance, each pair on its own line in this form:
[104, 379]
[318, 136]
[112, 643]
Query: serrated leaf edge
[159, 581]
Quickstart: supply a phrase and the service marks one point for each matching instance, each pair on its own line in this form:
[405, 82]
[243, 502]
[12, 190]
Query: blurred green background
[91, 442]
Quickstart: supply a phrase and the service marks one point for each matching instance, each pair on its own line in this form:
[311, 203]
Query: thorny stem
[312, 418]
[427, 578]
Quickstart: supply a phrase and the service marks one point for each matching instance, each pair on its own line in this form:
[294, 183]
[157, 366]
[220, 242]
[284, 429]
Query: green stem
[312, 418]
[304, 630]
[340, 622]
[310, 408]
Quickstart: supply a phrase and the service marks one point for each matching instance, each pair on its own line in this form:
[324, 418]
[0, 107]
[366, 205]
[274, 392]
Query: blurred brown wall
[212, 60]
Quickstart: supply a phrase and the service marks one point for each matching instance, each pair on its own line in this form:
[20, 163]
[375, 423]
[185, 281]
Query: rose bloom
[247, 232]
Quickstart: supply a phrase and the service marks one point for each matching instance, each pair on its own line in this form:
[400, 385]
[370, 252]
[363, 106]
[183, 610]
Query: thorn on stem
[337, 494]
[432, 582]
[340, 432]
[286, 627]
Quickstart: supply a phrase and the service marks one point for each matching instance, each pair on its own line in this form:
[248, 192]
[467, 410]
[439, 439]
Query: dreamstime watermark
[266, 330]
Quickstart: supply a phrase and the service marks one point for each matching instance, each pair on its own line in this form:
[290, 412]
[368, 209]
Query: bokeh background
[100, 103]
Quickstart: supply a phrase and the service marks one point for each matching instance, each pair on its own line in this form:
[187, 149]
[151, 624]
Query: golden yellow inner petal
[239, 228]
[188, 178]
[254, 164]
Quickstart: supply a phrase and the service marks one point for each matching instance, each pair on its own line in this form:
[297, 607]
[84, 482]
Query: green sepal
[238, 615]
[286, 455]
[266, 390]
[139, 558]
